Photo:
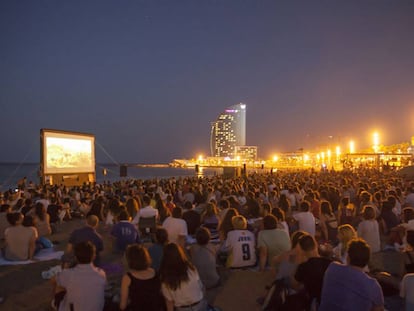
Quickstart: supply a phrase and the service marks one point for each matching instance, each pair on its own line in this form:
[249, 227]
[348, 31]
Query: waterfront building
[228, 131]
[246, 153]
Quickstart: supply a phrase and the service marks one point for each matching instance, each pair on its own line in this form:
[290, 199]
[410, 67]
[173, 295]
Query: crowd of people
[317, 232]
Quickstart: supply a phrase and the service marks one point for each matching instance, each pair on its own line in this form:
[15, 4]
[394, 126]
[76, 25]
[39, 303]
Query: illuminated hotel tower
[228, 131]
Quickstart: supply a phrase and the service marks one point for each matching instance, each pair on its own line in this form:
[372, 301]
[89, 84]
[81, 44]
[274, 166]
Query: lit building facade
[228, 131]
[246, 152]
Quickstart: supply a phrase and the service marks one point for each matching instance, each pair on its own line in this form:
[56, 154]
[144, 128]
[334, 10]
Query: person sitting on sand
[84, 283]
[124, 232]
[87, 233]
[156, 250]
[141, 285]
[20, 240]
[204, 256]
[240, 244]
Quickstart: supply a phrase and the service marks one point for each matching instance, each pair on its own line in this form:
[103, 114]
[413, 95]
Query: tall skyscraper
[228, 131]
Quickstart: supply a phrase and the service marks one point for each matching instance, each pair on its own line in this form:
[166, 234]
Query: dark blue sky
[148, 77]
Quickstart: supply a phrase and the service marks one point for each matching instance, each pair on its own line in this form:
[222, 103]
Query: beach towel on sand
[42, 255]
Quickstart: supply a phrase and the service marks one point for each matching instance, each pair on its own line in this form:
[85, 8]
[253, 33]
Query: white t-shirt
[369, 231]
[188, 293]
[145, 212]
[306, 222]
[85, 285]
[175, 227]
[241, 245]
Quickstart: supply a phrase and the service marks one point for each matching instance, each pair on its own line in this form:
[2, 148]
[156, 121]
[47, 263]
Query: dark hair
[296, 236]
[210, 209]
[410, 238]
[161, 235]
[40, 211]
[188, 205]
[307, 243]
[368, 212]
[177, 212]
[202, 236]
[28, 221]
[223, 204]
[85, 252]
[326, 208]
[13, 218]
[305, 206]
[123, 215]
[137, 257]
[278, 213]
[146, 200]
[174, 266]
[266, 207]
[4, 208]
[392, 200]
[269, 222]
[359, 252]
[226, 225]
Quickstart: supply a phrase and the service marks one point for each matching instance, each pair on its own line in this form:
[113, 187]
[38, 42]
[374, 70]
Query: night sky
[148, 77]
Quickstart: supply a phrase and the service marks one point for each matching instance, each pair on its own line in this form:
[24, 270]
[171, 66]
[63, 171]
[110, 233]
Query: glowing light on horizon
[275, 158]
[375, 142]
[338, 151]
[351, 146]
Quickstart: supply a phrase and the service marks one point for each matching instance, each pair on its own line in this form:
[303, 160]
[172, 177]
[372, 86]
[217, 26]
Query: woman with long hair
[180, 282]
[163, 211]
[209, 218]
[226, 225]
[132, 207]
[328, 223]
[284, 204]
[42, 220]
[141, 285]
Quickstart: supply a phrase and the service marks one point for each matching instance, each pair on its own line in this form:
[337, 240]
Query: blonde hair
[239, 222]
[347, 233]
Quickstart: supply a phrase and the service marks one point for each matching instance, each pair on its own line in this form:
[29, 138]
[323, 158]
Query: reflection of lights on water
[200, 171]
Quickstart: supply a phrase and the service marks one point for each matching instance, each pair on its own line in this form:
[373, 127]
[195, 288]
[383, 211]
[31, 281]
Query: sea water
[11, 173]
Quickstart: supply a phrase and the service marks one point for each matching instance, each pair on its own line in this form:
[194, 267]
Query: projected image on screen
[68, 153]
